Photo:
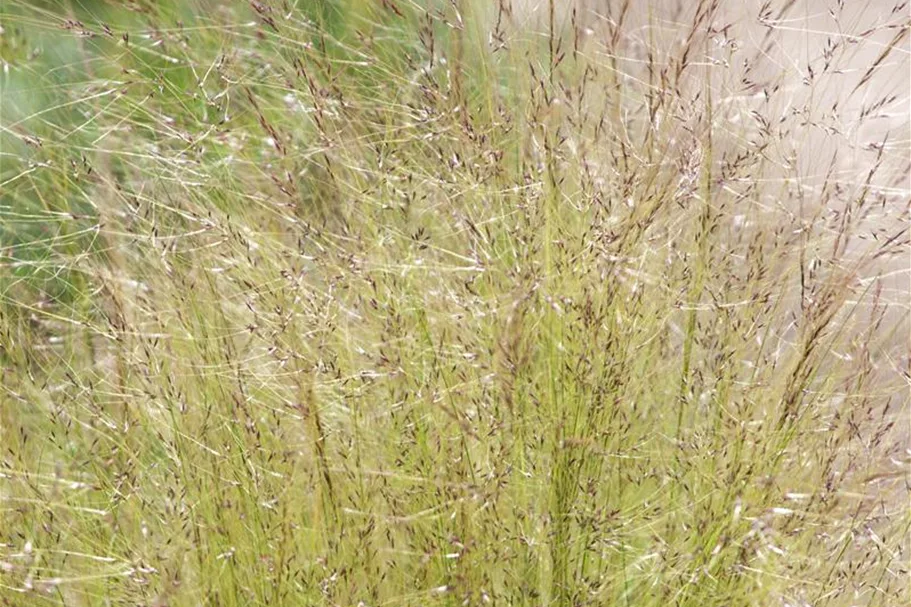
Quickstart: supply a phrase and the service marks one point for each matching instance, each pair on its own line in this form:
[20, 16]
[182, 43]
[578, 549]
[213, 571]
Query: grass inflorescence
[454, 302]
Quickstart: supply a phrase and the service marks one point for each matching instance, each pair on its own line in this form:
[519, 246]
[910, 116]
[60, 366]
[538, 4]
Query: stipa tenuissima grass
[403, 303]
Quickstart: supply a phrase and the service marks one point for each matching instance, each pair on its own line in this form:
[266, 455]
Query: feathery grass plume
[454, 302]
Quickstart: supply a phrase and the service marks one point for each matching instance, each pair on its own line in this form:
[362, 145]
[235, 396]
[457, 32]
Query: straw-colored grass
[457, 303]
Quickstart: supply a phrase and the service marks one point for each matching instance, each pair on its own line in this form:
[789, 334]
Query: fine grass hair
[454, 302]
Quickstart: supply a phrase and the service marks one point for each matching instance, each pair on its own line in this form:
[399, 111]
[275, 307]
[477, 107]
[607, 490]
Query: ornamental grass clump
[454, 303]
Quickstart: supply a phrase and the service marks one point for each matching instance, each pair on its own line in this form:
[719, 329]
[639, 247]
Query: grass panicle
[454, 303]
